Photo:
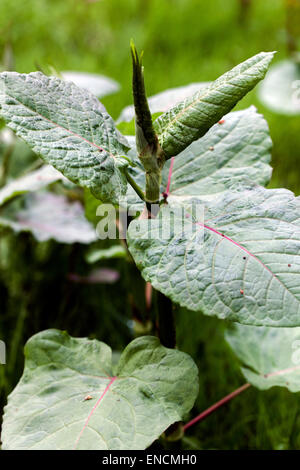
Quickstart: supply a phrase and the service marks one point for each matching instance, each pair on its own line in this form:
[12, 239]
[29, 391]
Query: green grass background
[184, 41]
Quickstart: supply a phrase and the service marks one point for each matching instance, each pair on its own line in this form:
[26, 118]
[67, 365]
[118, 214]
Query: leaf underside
[280, 90]
[50, 216]
[69, 128]
[98, 85]
[240, 261]
[70, 398]
[237, 150]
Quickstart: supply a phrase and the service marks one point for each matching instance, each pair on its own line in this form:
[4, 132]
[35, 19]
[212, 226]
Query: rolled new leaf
[191, 119]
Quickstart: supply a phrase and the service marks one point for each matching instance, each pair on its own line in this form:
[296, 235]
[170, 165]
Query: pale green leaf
[7, 137]
[20, 156]
[237, 150]
[50, 216]
[236, 258]
[269, 356]
[127, 128]
[69, 128]
[191, 119]
[280, 91]
[98, 85]
[69, 397]
[115, 251]
[33, 181]
[162, 102]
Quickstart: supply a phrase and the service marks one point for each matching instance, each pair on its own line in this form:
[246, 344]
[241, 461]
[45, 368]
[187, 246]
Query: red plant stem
[217, 405]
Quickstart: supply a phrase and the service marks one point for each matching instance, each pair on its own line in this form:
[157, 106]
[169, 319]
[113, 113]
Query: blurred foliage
[184, 41]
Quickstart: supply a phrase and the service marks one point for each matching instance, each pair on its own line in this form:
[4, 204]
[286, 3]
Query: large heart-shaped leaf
[229, 153]
[238, 258]
[270, 356]
[71, 398]
[190, 119]
[50, 216]
[98, 85]
[280, 91]
[69, 128]
[33, 181]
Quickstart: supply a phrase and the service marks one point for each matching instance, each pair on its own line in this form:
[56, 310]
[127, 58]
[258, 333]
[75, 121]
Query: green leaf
[69, 128]
[127, 128]
[137, 172]
[91, 205]
[270, 356]
[280, 91]
[50, 216]
[237, 150]
[162, 102]
[69, 398]
[191, 119]
[98, 85]
[20, 156]
[115, 251]
[31, 182]
[145, 136]
[236, 258]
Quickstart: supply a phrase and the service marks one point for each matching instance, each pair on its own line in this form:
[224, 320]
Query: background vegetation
[184, 41]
